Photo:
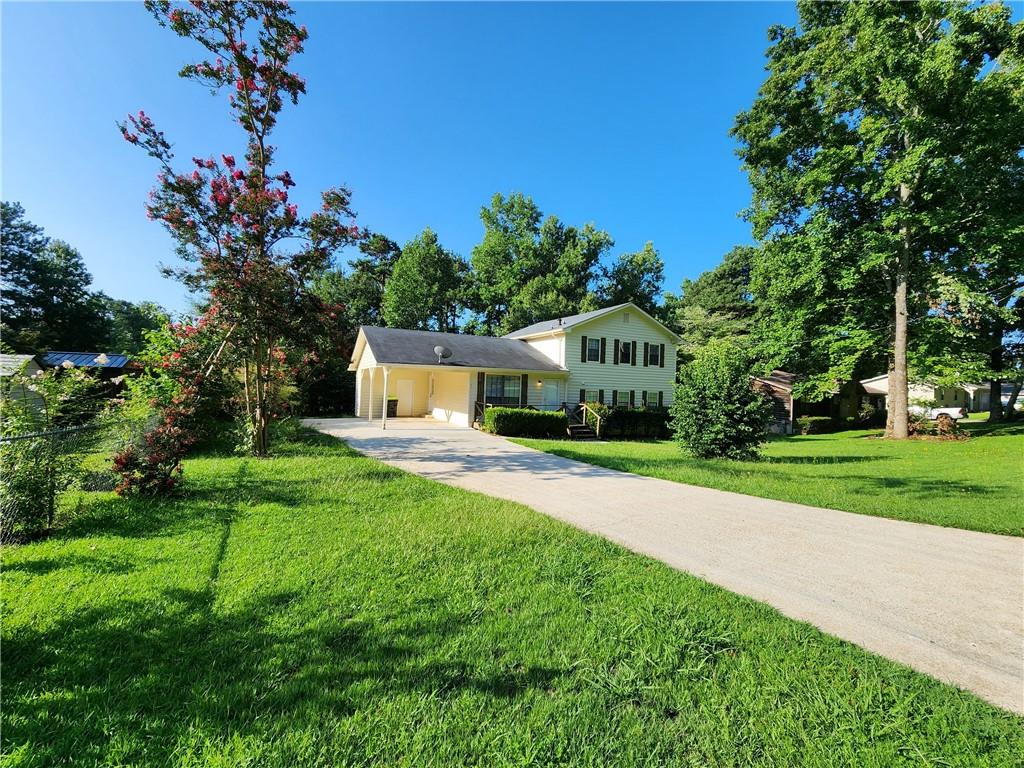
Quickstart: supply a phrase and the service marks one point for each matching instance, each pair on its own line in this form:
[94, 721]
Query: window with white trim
[622, 398]
[625, 350]
[593, 350]
[591, 395]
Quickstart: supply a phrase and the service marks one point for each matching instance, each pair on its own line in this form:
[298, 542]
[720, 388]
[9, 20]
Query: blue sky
[612, 113]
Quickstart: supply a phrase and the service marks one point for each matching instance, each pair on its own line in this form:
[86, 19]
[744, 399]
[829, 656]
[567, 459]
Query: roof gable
[561, 324]
[11, 364]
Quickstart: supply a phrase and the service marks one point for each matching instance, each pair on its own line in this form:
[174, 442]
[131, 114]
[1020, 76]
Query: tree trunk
[888, 406]
[898, 389]
[259, 415]
[1009, 412]
[995, 387]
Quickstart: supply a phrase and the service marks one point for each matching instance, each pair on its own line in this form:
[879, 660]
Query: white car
[954, 413]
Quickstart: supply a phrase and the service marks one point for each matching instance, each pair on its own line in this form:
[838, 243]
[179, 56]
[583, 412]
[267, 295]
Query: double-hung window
[593, 350]
[503, 390]
[625, 350]
[592, 395]
[654, 356]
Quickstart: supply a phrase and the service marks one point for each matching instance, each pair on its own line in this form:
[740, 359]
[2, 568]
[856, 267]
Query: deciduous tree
[717, 305]
[884, 149]
[426, 287]
[637, 277]
[529, 268]
[248, 246]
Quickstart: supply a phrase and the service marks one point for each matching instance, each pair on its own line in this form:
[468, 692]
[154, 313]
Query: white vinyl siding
[625, 376]
[536, 389]
[552, 347]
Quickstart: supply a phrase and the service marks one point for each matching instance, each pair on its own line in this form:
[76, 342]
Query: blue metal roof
[85, 359]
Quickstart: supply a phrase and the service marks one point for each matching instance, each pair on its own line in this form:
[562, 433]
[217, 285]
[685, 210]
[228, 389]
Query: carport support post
[369, 399]
[384, 402]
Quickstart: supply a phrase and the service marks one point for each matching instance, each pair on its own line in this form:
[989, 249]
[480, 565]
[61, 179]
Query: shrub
[815, 425]
[64, 411]
[598, 410]
[523, 422]
[638, 422]
[716, 413]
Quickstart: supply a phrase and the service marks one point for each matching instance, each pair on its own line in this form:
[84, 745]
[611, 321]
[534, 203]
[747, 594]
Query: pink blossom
[229, 160]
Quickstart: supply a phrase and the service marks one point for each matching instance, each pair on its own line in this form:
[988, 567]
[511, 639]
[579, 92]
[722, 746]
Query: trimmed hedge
[525, 422]
[638, 422]
[816, 425]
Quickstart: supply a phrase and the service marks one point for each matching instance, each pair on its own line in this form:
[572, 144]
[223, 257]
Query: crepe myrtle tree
[245, 243]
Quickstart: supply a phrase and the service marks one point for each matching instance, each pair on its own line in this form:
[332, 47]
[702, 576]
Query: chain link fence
[35, 468]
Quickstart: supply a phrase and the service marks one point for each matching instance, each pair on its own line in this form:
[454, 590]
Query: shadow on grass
[820, 459]
[201, 502]
[154, 675]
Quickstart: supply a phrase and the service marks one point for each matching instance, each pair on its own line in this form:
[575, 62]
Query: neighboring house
[107, 364]
[980, 396]
[12, 364]
[619, 356]
[944, 397]
[778, 385]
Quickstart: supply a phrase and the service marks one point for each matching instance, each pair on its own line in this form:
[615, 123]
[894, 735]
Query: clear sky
[616, 114]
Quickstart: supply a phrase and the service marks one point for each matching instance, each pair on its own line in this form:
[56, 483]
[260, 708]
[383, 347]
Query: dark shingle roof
[85, 359]
[561, 323]
[398, 346]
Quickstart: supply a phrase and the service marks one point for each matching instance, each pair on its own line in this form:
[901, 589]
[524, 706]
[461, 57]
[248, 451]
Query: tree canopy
[47, 300]
[426, 287]
[884, 151]
[528, 268]
[717, 305]
[637, 277]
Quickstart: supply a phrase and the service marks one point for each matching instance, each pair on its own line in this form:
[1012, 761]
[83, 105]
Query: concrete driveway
[946, 602]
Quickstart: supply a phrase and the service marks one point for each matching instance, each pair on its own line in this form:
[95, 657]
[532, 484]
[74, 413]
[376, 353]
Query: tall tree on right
[884, 151]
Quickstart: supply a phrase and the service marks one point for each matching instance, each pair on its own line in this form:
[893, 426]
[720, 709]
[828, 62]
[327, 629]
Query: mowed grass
[320, 608]
[976, 484]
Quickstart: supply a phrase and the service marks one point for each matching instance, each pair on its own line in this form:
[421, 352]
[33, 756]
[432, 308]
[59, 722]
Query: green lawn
[320, 608]
[977, 484]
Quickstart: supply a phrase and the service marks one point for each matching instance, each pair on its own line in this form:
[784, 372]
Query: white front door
[404, 389]
[550, 394]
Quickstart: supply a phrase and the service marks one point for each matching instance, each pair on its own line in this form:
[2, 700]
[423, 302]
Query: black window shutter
[643, 397]
[583, 349]
[615, 353]
[647, 353]
[600, 396]
[481, 394]
[583, 395]
[661, 399]
[602, 350]
[615, 397]
[632, 357]
[661, 356]
[524, 389]
[632, 398]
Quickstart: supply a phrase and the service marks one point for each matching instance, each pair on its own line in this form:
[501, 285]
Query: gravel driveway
[946, 602]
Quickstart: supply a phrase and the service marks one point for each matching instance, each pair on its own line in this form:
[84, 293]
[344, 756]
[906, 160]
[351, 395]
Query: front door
[404, 389]
[550, 394]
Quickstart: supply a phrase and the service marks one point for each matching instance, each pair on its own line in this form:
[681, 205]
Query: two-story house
[620, 356]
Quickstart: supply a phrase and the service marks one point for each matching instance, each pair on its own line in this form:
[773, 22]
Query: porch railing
[583, 414]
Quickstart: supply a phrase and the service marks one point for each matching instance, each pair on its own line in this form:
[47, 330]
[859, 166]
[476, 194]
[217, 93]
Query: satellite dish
[443, 353]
